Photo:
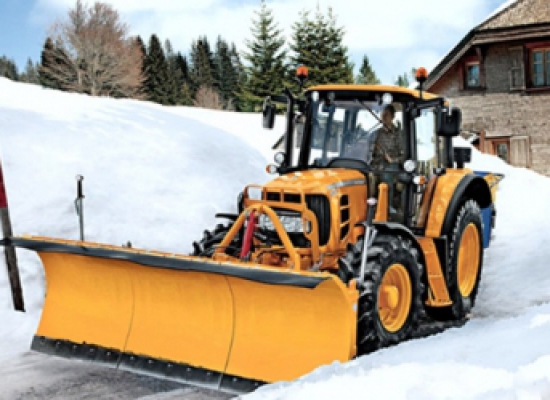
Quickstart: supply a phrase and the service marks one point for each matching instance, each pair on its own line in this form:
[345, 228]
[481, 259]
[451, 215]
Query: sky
[396, 35]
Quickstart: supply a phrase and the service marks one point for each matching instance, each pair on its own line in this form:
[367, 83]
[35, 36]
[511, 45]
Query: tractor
[333, 258]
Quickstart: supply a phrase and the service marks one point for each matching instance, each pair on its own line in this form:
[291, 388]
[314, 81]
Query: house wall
[501, 112]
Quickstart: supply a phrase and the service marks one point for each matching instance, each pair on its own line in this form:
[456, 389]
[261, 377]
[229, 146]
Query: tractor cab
[392, 135]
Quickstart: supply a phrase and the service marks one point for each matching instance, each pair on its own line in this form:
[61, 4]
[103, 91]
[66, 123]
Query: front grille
[320, 206]
[344, 216]
[273, 196]
[292, 198]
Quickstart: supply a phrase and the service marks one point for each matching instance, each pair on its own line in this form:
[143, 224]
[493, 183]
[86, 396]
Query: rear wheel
[390, 303]
[465, 263]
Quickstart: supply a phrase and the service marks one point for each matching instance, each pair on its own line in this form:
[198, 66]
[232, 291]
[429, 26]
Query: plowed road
[36, 376]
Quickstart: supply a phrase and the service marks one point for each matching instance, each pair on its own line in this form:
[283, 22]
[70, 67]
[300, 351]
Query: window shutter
[516, 68]
[461, 77]
[519, 151]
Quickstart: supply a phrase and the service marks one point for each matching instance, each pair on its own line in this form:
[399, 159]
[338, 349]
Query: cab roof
[399, 90]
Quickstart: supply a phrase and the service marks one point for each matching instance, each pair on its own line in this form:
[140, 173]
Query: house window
[473, 79]
[540, 67]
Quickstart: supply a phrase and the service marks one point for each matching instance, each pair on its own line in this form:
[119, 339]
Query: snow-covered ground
[156, 176]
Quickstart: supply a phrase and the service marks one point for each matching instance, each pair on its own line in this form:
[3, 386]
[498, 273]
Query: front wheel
[390, 303]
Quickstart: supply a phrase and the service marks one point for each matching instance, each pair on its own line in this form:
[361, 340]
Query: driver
[387, 151]
[386, 147]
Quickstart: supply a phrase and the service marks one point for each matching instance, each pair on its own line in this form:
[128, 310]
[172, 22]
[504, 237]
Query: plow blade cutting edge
[228, 326]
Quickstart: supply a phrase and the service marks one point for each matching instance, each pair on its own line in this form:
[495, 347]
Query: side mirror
[268, 112]
[462, 155]
[448, 124]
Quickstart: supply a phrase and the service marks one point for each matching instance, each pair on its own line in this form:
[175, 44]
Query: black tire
[468, 215]
[211, 239]
[385, 253]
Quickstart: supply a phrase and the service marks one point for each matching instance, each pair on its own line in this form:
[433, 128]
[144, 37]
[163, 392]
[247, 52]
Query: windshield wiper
[369, 110]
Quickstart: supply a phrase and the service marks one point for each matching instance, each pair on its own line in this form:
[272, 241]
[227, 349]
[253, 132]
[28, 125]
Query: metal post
[370, 234]
[79, 204]
[9, 251]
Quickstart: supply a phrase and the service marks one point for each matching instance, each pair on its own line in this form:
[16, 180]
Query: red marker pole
[9, 251]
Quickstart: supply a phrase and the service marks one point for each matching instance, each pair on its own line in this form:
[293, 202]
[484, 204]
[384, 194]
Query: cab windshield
[348, 129]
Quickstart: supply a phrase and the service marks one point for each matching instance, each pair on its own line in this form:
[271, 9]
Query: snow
[157, 175]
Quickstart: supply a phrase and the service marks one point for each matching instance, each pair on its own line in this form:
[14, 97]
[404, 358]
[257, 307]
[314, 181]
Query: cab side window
[426, 140]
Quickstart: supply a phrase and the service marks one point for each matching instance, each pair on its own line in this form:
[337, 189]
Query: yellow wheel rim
[468, 260]
[394, 298]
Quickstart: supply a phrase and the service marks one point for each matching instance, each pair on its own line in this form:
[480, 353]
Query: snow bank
[153, 176]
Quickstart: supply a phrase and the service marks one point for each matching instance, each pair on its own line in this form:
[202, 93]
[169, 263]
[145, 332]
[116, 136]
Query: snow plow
[341, 254]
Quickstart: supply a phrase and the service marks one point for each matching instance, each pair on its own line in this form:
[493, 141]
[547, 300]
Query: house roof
[513, 19]
[517, 13]
[496, 13]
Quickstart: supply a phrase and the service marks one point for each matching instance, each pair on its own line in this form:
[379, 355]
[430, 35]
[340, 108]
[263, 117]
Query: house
[499, 75]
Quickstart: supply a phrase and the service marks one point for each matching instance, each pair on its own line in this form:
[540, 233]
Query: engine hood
[318, 180]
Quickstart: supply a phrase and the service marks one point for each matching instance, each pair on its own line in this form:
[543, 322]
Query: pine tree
[403, 80]
[156, 84]
[366, 76]
[241, 76]
[185, 97]
[175, 78]
[226, 73]
[183, 66]
[51, 59]
[318, 44]
[304, 46]
[266, 61]
[8, 69]
[201, 72]
[335, 63]
[143, 53]
[30, 75]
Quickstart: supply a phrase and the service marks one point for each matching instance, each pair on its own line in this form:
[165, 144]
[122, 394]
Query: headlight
[280, 157]
[292, 223]
[409, 166]
[254, 193]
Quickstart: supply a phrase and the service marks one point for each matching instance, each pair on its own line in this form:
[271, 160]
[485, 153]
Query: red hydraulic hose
[248, 235]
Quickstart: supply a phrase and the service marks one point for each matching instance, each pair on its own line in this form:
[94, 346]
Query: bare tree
[208, 97]
[96, 56]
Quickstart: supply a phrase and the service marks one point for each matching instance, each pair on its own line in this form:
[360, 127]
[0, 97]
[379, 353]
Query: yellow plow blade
[230, 326]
